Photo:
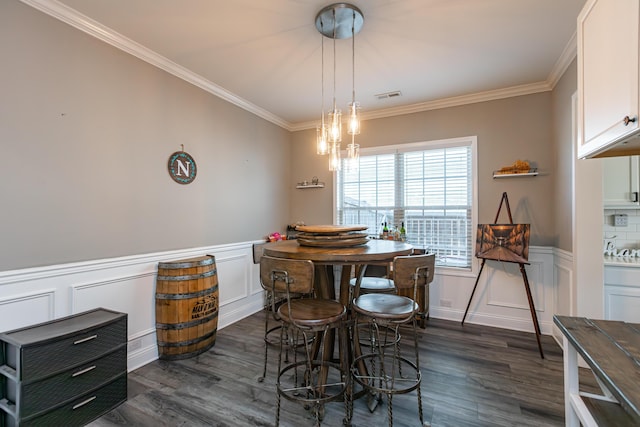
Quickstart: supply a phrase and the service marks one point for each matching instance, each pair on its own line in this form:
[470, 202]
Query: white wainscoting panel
[565, 295]
[233, 270]
[500, 299]
[133, 295]
[21, 310]
[125, 284]
[497, 275]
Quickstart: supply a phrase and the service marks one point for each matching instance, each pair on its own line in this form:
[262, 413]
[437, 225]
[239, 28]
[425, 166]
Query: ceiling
[265, 56]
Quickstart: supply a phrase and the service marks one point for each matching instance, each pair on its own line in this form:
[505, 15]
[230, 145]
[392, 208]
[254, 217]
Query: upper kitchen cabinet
[621, 182]
[608, 75]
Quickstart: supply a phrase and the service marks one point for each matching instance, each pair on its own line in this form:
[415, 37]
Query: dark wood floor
[472, 376]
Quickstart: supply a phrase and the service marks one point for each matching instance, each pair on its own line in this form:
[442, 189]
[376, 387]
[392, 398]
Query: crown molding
[455, 101]
[84, 23]
[566, 57]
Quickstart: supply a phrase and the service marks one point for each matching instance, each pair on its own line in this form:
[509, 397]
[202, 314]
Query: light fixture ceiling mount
[344, 20]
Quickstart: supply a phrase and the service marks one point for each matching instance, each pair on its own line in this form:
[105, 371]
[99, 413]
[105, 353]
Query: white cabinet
[621, 182]
[622, 292]
[608, 75]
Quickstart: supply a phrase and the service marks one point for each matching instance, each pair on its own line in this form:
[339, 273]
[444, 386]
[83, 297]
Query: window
[429, 187]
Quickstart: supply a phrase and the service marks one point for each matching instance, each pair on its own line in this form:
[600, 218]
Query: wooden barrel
[186, 307]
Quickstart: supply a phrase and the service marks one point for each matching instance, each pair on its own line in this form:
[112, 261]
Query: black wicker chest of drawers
[65, 372]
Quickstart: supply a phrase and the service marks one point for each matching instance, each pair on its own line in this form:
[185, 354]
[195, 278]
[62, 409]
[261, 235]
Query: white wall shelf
[532, 172]
[318, 185]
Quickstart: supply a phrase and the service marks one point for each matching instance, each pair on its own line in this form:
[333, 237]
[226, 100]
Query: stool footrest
[304, 386]
[400, 375]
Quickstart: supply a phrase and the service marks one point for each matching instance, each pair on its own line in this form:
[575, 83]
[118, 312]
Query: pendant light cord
[322, 73]
[353, 58]
[334, 59]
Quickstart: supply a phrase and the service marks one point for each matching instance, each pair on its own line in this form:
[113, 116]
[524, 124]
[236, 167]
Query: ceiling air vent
[386, 95]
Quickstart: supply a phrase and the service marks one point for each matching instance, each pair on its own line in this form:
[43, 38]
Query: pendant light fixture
[339, 21]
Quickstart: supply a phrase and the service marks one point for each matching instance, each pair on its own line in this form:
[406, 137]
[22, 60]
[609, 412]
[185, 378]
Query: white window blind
[428, 187]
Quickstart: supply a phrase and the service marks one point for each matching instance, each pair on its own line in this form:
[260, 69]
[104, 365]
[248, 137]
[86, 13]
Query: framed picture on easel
[503, 242]
[507, 243]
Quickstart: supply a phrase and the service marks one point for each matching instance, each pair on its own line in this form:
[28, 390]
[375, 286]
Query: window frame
[470, 141]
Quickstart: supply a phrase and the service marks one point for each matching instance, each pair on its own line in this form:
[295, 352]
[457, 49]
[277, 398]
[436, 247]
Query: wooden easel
[532, 308]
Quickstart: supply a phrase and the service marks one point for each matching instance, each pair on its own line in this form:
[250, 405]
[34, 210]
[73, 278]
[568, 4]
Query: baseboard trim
[504, 322]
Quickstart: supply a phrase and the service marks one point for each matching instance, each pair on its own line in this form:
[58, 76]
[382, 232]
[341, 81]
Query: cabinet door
[607, 73]
[621, 182]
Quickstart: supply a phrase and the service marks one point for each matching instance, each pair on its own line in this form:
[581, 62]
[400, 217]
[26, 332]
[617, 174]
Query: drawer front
[41, 360]
[41, 395]
[85, 408]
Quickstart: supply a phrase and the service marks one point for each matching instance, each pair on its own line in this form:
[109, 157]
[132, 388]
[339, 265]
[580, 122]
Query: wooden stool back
[287, 276]
[413, 270]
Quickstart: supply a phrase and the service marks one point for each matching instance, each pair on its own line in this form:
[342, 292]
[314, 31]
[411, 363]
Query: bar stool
[391, 372]
[317, 379]
[272, 321]
[372, 279]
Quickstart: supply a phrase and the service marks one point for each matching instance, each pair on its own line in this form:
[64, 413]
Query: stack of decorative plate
[332, 236]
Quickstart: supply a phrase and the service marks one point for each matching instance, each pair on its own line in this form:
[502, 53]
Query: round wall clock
[182, 167]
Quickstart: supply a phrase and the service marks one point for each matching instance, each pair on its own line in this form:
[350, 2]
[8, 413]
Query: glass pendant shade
[334, 158]
[335, 126]
[353, 156]
[354, 118]
[322, 143]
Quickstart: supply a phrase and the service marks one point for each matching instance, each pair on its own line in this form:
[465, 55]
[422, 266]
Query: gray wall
[86, 132]
[507, 130]
[563, 157]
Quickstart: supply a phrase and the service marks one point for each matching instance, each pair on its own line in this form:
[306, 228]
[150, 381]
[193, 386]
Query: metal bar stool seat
[312, 313]
[385, 307]
[374, 285]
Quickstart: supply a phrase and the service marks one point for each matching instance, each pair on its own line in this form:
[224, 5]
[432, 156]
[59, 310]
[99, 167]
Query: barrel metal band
[189, 342]
[184, 325]
[208, 261]
[189, 277]
[188, 295]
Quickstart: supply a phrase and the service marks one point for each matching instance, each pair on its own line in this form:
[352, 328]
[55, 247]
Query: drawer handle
[92, 337]
[628, 120]
[84, 402]
[84, 371]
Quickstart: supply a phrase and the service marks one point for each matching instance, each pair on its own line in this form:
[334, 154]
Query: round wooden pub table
[374, 252]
